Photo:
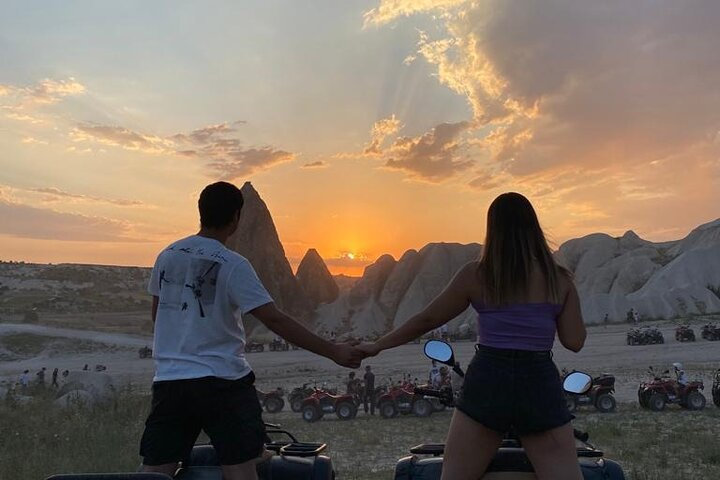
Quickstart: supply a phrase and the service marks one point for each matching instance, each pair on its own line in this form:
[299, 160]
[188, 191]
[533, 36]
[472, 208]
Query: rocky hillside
[659, 280]
[391, 291]
[27, 289]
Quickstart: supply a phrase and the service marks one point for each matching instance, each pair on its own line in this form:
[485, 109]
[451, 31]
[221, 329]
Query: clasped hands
[350, 354]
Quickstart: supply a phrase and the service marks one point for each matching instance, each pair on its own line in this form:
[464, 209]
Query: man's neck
[219, 235]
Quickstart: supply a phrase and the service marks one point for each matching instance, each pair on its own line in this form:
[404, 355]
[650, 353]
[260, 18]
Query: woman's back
[528, 321]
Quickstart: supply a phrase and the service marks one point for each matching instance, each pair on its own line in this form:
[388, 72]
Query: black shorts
[228, 411]
[514, 390]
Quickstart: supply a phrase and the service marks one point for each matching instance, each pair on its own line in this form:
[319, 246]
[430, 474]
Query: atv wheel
[437, 405]
[421, 408]
[695, 401]
[345, 410]
[656, 402]
[605, 403]
[388, 409]
[311, 413]
[296, 403]
[571, 404]
[274, 404]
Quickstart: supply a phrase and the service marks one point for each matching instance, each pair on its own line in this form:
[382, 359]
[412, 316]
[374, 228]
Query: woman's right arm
[450, 303]
[570, 325]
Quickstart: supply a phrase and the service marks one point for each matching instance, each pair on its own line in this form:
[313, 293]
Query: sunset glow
[367, 127]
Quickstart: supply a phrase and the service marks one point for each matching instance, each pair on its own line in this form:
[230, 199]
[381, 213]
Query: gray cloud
[121, 137]
[434, 156]
[242, 162]
[25, 221]
[216, 145]
[317, 164]
[56, 193]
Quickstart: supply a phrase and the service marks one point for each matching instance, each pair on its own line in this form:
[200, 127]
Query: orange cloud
[380, 131]
[389, 10]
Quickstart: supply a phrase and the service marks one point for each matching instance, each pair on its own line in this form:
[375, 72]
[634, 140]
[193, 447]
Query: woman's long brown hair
[512, 240]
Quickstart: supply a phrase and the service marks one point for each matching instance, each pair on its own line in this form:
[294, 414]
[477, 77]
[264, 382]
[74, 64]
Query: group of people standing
[25, 381]
[365, 389]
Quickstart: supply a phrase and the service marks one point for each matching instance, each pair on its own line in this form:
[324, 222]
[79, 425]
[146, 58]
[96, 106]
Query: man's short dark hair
[218, 204]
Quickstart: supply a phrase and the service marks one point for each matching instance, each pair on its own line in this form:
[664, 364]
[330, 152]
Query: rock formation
[257, 240]
[390, 291]
[659, 280]
[315, 279]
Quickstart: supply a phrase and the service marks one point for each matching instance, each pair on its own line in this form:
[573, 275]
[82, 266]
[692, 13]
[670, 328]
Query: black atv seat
[110, 476]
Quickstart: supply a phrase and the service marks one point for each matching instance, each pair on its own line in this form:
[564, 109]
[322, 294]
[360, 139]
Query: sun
[351, 256]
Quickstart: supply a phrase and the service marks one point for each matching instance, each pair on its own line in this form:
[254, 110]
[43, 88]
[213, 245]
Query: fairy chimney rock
[315, 279]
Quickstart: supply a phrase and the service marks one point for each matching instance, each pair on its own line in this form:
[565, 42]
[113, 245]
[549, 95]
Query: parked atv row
[710, 331]
[645, 336]
[274, 346]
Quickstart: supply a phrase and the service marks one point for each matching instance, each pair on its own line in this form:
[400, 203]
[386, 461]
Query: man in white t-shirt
[201, 290]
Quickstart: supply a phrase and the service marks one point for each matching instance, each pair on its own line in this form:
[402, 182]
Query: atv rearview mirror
[440, 351]
[577, 382]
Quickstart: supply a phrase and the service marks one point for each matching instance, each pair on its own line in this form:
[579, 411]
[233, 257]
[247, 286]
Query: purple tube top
[524, 326]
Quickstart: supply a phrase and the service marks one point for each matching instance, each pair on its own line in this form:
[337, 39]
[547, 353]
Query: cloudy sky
[368, 127]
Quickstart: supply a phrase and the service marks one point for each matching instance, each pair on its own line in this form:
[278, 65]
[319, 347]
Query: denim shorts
[514, 390]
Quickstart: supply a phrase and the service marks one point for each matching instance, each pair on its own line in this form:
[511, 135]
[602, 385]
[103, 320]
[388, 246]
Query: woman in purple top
[523, 298]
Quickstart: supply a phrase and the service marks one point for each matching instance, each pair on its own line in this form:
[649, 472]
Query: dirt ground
[605, 351]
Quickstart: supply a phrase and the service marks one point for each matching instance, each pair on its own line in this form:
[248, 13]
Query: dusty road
[605, 351]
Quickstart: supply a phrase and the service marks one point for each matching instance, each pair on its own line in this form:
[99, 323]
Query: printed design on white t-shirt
[204, 275]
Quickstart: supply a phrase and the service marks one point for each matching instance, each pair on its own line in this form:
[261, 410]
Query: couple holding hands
[202, 381]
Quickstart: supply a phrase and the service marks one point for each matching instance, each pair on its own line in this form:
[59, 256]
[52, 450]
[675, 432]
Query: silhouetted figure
[369, 392]
[54, 378]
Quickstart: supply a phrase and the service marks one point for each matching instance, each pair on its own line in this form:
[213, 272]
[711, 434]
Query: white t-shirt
[203, 289]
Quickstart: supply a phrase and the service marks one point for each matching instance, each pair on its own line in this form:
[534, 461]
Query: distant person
[40, 377]
[523, 298]
[434, 375]
[631, 316]
[636, 317]
[606, 320]
[201, 292]
[54, 378]
[444, 332]
[352, 385]
[25, 380]
[369, 392]
[86, 367]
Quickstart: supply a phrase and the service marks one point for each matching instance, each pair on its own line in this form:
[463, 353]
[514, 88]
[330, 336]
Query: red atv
[663, 390]
[600, 395]
[272, 401]
[403, 399]
[321, 402]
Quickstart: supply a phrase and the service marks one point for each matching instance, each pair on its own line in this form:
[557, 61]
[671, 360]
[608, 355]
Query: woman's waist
[513, 352]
